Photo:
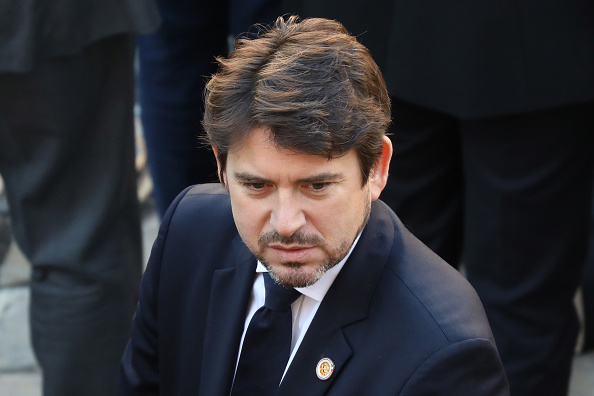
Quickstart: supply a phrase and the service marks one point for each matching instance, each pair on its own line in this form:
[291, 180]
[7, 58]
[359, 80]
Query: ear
[222, 176]
[379, 174]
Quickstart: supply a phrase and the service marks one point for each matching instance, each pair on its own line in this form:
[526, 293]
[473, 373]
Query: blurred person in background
[67, 160]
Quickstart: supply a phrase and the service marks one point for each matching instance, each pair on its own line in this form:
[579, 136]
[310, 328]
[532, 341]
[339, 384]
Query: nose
[288, 216]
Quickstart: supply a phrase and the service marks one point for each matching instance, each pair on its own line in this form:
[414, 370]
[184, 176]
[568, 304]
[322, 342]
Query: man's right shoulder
[207, 189]
[203, 205]
[198, 231]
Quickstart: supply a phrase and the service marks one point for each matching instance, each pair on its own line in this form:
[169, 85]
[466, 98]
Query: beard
[297, 274]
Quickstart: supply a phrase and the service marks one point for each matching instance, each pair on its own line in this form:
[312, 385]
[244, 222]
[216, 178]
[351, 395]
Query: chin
[294, 274]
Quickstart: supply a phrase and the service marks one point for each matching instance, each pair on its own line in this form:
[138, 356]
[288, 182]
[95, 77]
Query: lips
[291, 253]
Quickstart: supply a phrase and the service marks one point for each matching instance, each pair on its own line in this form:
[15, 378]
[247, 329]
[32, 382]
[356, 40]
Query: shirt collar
[318, 290]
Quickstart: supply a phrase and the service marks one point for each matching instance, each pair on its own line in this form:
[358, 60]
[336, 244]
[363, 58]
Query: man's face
[298, 213]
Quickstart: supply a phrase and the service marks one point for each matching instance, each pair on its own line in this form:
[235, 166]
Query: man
[67, 160]
[297, 121]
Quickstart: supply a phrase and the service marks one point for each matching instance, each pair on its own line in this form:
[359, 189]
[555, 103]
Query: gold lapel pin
[325, 368]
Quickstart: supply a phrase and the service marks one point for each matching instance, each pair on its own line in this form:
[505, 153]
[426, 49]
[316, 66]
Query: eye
[255, 185]
[318, 186]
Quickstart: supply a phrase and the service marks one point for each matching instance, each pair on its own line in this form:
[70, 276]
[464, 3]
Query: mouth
[292, 253]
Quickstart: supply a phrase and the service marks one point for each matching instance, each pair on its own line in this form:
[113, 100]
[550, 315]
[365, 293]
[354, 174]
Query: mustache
[298, 238]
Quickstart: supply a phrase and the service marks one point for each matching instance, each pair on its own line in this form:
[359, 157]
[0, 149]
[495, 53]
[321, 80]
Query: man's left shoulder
[422, 289]
[444, 294]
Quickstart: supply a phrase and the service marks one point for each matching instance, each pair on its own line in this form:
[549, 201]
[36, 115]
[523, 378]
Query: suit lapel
[324, 339]
[230, 294]
[346, 302]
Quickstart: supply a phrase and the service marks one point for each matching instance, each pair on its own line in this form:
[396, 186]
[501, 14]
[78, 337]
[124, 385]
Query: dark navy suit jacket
[396, 321]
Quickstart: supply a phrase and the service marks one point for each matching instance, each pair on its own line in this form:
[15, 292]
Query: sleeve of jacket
[469, 367]
[139, 369]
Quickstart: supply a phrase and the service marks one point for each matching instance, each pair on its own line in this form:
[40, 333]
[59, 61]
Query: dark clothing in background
[67, 159]
[474, 59]
[175, 62]
[492, 128]
[33, 30]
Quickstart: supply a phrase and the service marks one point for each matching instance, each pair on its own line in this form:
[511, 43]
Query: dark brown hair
[313, 84]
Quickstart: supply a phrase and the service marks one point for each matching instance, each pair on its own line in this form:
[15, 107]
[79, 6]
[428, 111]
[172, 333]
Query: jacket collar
[230, 294]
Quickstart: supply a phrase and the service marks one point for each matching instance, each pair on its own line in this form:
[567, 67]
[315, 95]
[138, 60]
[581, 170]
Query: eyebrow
[322, 177]
[245, 177]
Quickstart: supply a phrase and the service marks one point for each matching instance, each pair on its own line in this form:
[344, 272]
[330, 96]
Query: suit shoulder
[439, 289]
[203, 202]
[199, 218]
[207, 189]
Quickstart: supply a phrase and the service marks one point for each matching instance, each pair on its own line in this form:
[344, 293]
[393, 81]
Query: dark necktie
[267, 343]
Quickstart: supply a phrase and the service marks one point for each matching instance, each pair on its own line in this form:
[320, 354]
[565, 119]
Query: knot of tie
[278, 297]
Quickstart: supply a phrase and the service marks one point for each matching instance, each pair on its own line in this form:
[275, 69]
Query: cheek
[335, 220]
[250, 219]
[344, 220]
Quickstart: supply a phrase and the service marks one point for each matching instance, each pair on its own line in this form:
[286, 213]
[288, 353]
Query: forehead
[260, 155]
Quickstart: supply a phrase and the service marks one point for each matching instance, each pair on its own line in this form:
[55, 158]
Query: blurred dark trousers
[67, 158]
[510, 198]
